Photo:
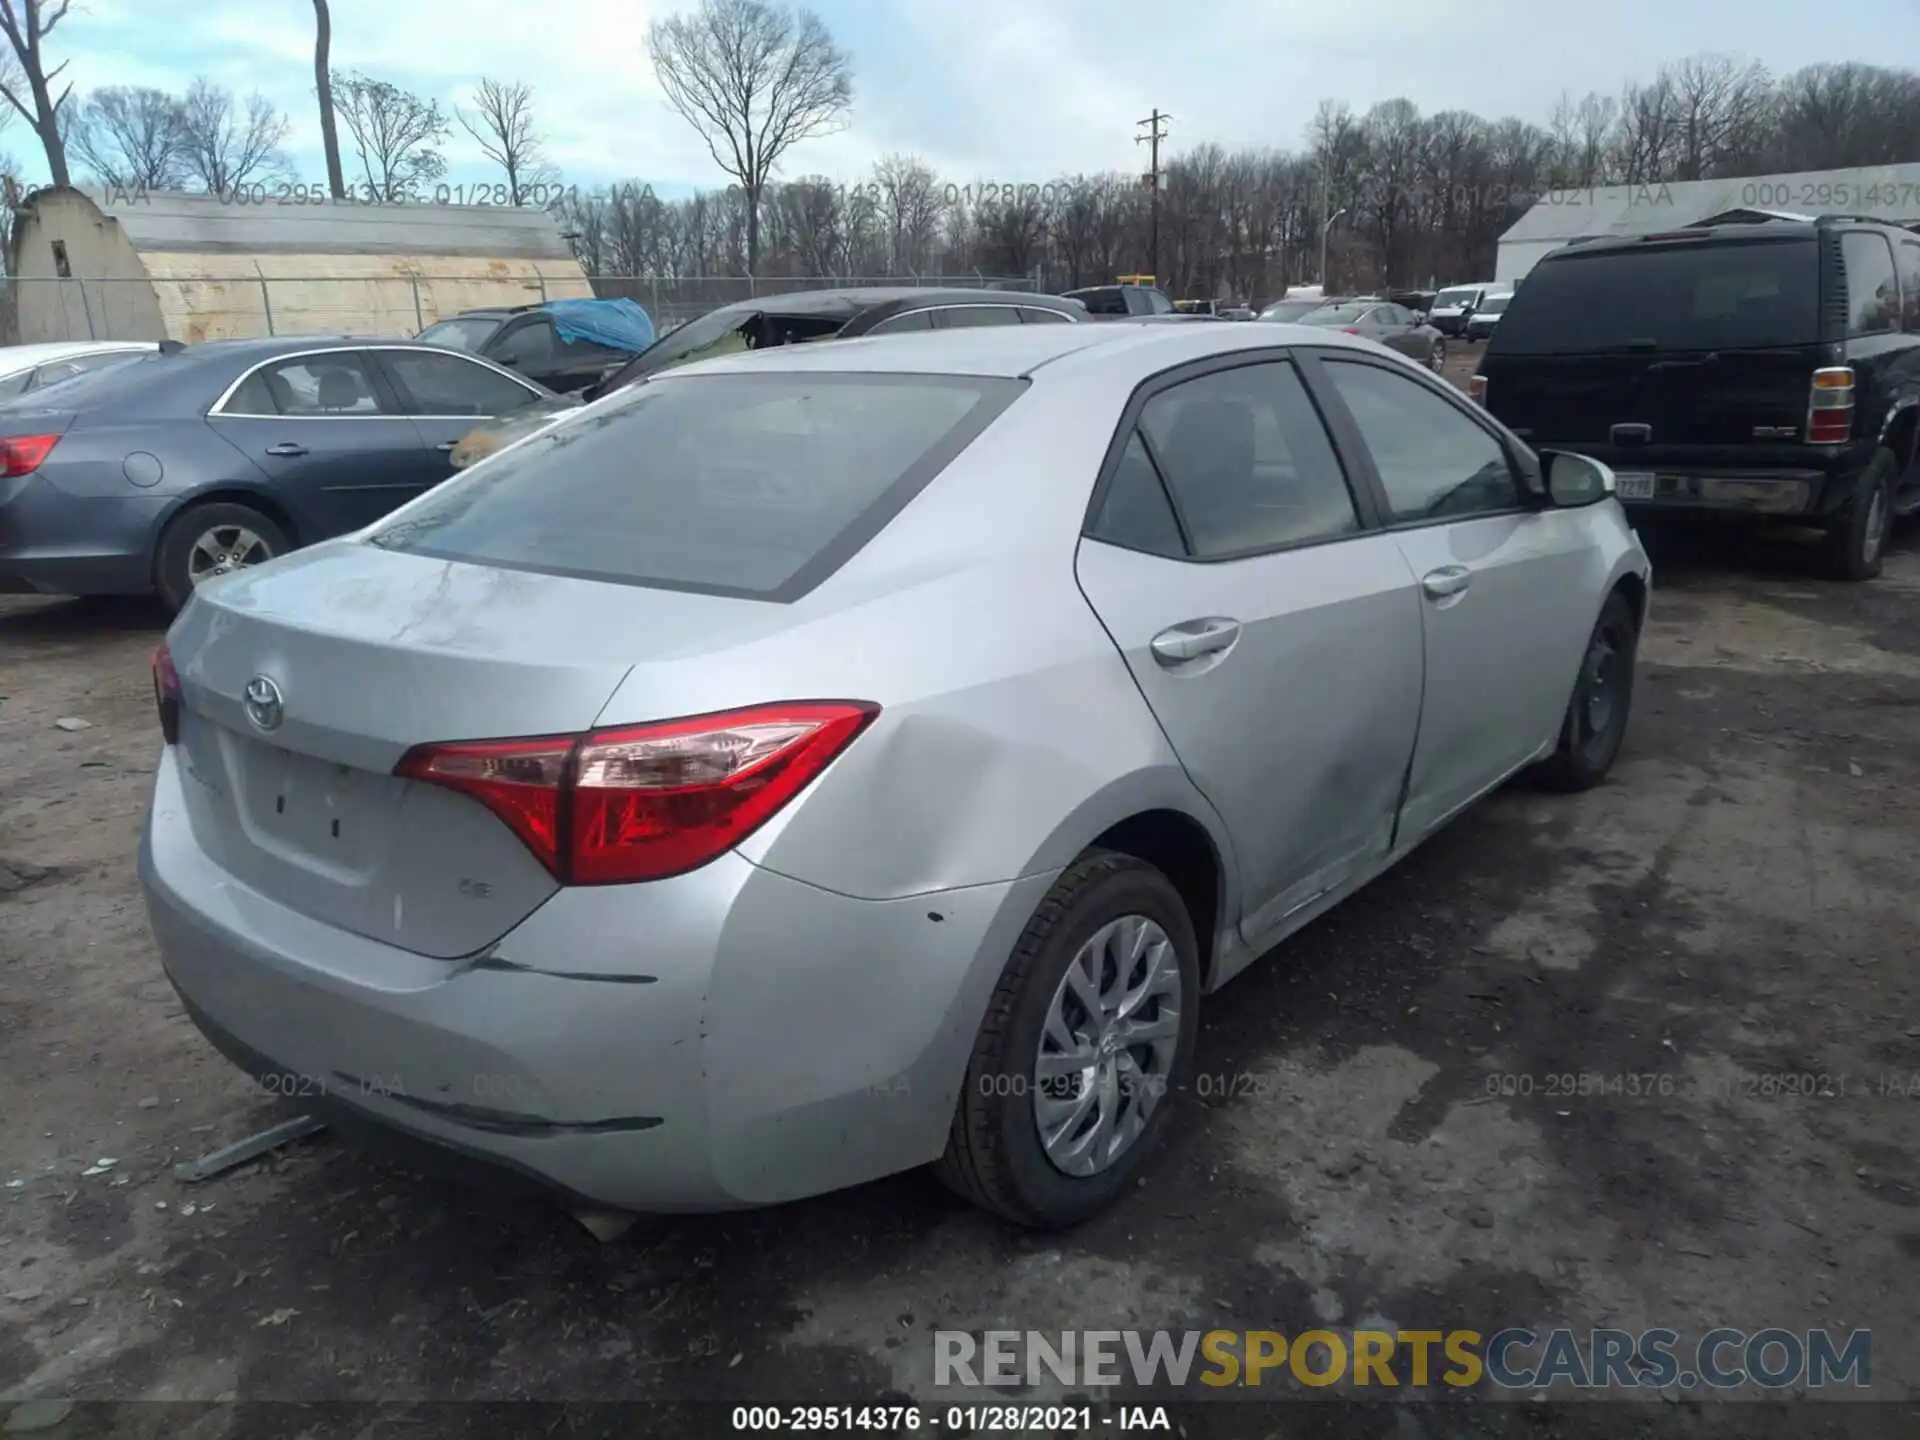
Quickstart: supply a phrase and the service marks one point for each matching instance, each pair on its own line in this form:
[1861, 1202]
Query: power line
[1155, 134]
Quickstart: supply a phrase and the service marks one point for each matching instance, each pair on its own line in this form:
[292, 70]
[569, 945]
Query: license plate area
[1633, 484]
[307, 810]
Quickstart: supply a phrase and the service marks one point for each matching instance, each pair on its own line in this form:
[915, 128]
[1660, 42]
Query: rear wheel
[1085, 1047]
[1596, 719]
[204, 542]
[1857, 538]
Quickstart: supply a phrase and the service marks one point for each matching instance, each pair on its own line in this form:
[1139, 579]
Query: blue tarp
[617, 324]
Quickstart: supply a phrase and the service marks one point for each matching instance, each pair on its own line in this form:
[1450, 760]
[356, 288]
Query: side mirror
[1574, 480]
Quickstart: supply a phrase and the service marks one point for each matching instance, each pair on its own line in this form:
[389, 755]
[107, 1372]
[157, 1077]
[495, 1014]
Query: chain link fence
[35, 309]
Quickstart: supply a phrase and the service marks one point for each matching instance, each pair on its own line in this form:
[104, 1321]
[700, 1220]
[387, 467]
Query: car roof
[857, 301]
[1007, 351]
[1737, 230]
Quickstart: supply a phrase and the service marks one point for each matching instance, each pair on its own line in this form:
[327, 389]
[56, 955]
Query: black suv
[1766, 370]
[1110, 300]
[524, 339]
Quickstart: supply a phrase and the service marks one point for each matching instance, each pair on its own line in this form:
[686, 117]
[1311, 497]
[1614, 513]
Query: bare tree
[28, 84]
[394, 134]
[131, 136]
[1718, 105]
[754, 81]
[223, 148]
[502, 123]
[911, 202]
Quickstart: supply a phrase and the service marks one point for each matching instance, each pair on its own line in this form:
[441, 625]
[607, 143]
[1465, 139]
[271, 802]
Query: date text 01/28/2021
[959, 1419]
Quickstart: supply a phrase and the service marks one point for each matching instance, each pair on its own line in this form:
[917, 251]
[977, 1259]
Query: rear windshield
[1337, 314]
[749, 485]
[1107, 301]
[1730, 295]
[82, 389]
[467, 334]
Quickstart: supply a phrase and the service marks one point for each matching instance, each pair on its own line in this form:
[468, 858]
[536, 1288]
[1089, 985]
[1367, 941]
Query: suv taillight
[1830, 407]
[166, 692]
[1477, 389]
[643, 802]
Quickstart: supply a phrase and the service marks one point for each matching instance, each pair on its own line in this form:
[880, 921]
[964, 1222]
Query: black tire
[994, 1155]
[173, 559]
[1588, 746]
[1856, 541]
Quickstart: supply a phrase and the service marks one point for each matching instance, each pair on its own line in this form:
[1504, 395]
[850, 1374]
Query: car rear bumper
[53, 543]
[722, 1039]
[1750, 492]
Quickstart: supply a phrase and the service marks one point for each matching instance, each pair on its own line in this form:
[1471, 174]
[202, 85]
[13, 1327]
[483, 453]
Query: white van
[1453, 305]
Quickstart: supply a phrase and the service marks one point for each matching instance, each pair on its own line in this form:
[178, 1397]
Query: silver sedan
[823, 762]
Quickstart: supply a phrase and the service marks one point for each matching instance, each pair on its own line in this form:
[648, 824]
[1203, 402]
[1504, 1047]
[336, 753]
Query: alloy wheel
[223, 549]
[1108, 1046]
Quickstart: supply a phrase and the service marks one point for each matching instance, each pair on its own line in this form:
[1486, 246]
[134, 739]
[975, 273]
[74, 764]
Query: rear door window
[1248, 462]
[757, 486]
[958, 317]
[1910, 285]
[337, 383]
[1873, 293]
[1692, 295]
[1030, 315]
[899, 324]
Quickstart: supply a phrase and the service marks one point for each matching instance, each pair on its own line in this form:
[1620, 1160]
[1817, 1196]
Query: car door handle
[287, 447]
[1447, 580]
[445, 447]
[1194, 638]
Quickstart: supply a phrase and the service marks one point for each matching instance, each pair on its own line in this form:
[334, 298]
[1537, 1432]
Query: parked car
[1236, 312]
[1482, 322]
[25, 369]
[1391, 325]
[708, 940]
[792, 320]
[1453, 306]
[1107, 300]
[1418, 301]
[191, 462]
[1293, 310]
[564, 345]
[1766, 371]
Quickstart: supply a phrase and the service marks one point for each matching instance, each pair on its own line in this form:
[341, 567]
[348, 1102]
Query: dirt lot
[1740, 903]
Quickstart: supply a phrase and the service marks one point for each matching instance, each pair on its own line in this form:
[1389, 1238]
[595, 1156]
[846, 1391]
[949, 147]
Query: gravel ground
[1739, 903]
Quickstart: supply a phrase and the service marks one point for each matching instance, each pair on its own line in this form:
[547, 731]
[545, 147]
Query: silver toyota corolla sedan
[837, 759]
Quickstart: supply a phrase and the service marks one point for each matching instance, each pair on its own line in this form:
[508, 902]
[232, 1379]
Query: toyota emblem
[264, 707]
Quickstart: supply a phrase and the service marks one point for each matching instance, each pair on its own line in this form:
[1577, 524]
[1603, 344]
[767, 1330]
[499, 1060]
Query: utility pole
[1155, 134]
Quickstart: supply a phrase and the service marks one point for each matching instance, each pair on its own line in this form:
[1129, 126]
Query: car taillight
[1350, 329]
[643, 802]
[166, 692]
[1830, 408]
[1477, 389]
[24, 454]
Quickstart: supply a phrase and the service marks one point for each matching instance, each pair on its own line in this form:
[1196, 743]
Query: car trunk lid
[304, 684]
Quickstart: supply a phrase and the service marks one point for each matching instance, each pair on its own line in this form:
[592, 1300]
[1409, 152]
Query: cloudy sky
[987, 91]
